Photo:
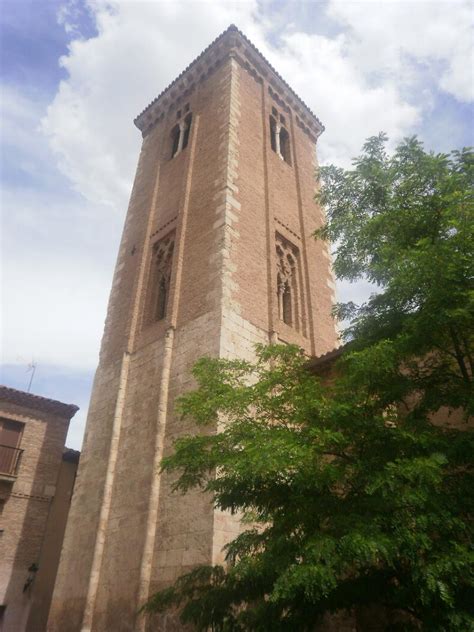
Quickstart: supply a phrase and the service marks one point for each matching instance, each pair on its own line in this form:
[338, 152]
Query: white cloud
[335, 89]
[19, 118]
[55, 279]
[356, 81]
[140, 48]
[57, 251]
[384, 36]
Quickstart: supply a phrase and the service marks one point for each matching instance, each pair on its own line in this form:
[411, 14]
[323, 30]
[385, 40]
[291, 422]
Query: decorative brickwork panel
[290, 302]
[159, 279]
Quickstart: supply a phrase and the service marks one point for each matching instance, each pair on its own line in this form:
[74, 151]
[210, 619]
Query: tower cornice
[231, 43]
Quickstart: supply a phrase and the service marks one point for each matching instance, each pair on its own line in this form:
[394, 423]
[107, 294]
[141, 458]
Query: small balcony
[9, 462]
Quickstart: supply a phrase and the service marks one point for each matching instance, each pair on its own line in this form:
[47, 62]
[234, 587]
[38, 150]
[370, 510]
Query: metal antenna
[32, 368]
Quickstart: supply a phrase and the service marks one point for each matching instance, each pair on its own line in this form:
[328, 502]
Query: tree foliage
[351, 494]
[406, 223]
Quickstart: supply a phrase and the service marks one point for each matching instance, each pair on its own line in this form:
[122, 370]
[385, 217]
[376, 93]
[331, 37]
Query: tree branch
[459, 354]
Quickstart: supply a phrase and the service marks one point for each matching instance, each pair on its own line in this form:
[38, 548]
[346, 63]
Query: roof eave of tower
[141, 120]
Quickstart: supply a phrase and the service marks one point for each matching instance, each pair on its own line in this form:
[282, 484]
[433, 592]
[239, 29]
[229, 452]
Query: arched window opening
[279, 136]
[280, 286]
[290, 305]
[159, 280]
[180, 133]
[286, 304]
[295, 296]
[285, 145]
[162, 299]
[187, 129]
[174, 140]
[273, 141]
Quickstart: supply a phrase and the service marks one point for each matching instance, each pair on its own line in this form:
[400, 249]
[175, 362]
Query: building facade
[36, 482]
[217, 254]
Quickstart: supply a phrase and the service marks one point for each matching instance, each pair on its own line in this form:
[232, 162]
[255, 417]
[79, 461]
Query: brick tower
[216, 255]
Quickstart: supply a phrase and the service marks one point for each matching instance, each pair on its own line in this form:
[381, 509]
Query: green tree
[351, 494]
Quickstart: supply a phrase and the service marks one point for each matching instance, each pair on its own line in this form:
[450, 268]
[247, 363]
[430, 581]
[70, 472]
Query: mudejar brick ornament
[217, 254]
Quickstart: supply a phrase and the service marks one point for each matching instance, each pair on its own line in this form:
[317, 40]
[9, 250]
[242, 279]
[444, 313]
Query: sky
[75, 73]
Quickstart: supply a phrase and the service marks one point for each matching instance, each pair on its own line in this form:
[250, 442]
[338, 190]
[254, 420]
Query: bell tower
[217, 254]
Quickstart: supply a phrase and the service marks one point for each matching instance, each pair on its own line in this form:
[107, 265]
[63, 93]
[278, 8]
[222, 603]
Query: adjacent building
[36, 481]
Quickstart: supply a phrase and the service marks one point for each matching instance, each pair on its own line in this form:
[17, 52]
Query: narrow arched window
[273, 141]
[286, 304]
[180, 133]
[158, 293]
[187, 130]
[285, 145]
[174, 140]
[162, 299]
[279, 136]
[290, 305]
